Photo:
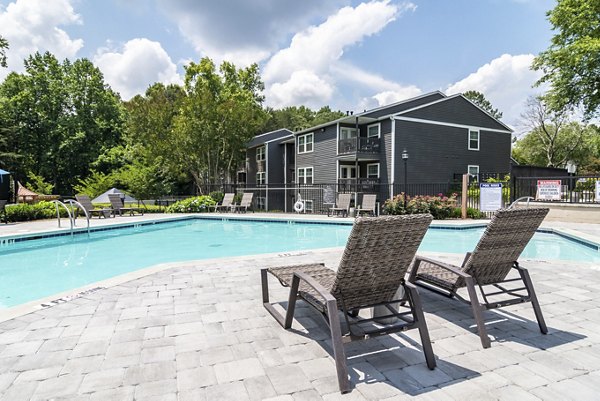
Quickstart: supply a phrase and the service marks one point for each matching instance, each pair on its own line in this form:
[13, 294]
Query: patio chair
[118, 206]
[377, 256]
[368, 205]
[91, 209]
[245, 203]
[487, 267]
[226, 204]
[342, 205]
[3, 214]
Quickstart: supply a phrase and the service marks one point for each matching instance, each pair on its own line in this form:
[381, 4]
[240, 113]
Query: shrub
[440, 207]
[37, 211]
[196, 204]
[217, 196]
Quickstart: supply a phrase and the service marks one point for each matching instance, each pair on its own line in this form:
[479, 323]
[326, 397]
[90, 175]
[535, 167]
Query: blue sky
[350, 55]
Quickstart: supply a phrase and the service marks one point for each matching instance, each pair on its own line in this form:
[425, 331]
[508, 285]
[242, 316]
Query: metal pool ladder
[73, 203]
[522, 198]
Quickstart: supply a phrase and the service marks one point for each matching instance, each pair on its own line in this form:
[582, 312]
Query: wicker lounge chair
[368, 205]
[245, 203]
[118, 206]
[342, 205]
[487, 267]
[90, 209]
[377, 256]
[3, 214]
[226, 204]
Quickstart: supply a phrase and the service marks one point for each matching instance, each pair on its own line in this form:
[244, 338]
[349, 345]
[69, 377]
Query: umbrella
[104, 197]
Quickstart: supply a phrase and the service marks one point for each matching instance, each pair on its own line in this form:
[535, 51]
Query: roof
[269, 137]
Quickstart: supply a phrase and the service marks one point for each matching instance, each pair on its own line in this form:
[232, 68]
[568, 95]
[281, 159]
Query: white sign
[597, 190]
[548, 190]
[490, 196]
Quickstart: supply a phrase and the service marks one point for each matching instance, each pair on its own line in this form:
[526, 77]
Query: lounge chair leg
[419, 317]
[338, 346]
[265, 296]
[477, 313]
[534, 301]
[289, 316]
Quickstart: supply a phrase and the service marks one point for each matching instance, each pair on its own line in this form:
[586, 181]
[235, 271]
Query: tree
[572, 62]
[3, 49]
[553, 139]
[479, 99]
[297, 118]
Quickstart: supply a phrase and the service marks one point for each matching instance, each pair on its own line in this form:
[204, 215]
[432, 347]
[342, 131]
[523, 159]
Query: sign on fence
[548, 190]
[490, 196]
[597, 190]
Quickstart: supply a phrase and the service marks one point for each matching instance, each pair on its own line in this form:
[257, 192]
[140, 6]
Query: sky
[349, 55]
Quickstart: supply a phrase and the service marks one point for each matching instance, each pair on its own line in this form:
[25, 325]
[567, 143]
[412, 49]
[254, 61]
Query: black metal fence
[573, 189]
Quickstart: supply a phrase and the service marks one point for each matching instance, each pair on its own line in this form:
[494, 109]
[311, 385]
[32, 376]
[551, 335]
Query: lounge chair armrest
[443, 265]
[315, 285]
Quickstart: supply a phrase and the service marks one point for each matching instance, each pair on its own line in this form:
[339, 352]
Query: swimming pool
[34, 269]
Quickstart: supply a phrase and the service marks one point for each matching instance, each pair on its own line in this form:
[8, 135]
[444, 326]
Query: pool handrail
[56, 203]
[522, 198]
[80, 206]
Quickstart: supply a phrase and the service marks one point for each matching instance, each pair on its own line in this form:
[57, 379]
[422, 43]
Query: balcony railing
[362, 185]
[365, 145]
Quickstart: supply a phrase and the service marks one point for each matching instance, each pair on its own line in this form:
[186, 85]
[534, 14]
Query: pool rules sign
[548, 190]
[490, 196]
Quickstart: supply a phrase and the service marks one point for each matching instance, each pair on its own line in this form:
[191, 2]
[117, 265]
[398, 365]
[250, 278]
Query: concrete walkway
[198, 331]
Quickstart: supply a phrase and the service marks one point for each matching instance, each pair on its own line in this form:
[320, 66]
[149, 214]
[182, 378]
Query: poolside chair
[90, 208]
[342, 205]
[118, 206]
[245, 203]
[487, 267]
[226, 204]
[377, 256]
[3, 214]
[368, 205]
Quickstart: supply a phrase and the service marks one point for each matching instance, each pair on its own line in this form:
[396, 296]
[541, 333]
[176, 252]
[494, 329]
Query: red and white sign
[548, 190]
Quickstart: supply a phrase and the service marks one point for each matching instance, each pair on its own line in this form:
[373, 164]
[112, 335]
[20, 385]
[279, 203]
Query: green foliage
[217, 196]
[440, 207]
[36, 211]
[586, 184]
[37, 184]
[96, 184]
[479, 99]
[197, 204]
[3, 48]
[572, 62]
[296, 118]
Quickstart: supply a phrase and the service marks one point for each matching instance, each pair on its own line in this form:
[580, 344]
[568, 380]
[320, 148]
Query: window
[347, 133]
[373, 170]
[473, 139]
[261, 178]
[305, 175]
[347, 172]
[261, 203]
[308, 206]
[474, 171]
[305, 143]
[261, 153]
[373, 130]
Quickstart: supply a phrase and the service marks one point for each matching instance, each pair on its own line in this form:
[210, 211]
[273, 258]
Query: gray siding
[456, 110]
[437, 152]
[323, 156]
[275, 157]
[396, 108]
[252, 166]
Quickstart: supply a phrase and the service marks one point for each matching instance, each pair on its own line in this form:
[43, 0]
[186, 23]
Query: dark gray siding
[251, 167]
[323, 156]
[456, 110]
[386, 151]
[437, 152]
[396, 108]
[275, 157]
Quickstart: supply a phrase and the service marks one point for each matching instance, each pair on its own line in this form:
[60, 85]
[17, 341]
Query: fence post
[465, 194]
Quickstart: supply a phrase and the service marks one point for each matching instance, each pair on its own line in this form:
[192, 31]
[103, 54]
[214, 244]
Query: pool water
[35, 269]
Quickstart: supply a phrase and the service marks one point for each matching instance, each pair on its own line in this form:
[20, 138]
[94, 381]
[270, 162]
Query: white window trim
[305, 137]
[304, 175]
[469, 138]
[308, 205]
[264, 175]
[378, 125]
[469, 169]
[348, 128]
[350, 167]
[261, 151]
[378, 170]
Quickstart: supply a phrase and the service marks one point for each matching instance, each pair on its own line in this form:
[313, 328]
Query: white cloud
[33, 25]
[242, 31]
[506, 82]
[141, 63]
[316, 51]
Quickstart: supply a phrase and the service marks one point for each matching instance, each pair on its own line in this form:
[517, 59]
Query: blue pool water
[35, 269]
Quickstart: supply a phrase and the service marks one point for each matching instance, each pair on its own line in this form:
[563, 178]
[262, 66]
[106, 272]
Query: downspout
[284, 177]
[393, 162]
[356, 164]
[267, 176]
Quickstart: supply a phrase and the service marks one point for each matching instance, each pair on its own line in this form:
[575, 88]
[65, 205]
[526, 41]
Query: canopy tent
[2, 174]
[104, 197]
[26, 195]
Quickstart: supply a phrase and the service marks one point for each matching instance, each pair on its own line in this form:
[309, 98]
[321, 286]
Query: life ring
[299, 206]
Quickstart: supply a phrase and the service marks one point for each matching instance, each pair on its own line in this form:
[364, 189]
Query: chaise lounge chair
[89, 207]
[226, 204]
[377, 256]
[487, 267]
[245, 203]
[118, 206]
[3, 214]
[368, 205]
[342, 205]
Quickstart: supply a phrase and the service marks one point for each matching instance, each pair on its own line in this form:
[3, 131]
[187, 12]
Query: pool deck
[197, 331]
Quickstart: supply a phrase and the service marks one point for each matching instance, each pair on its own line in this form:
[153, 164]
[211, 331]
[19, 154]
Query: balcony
[365, 145]
[363, 185]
